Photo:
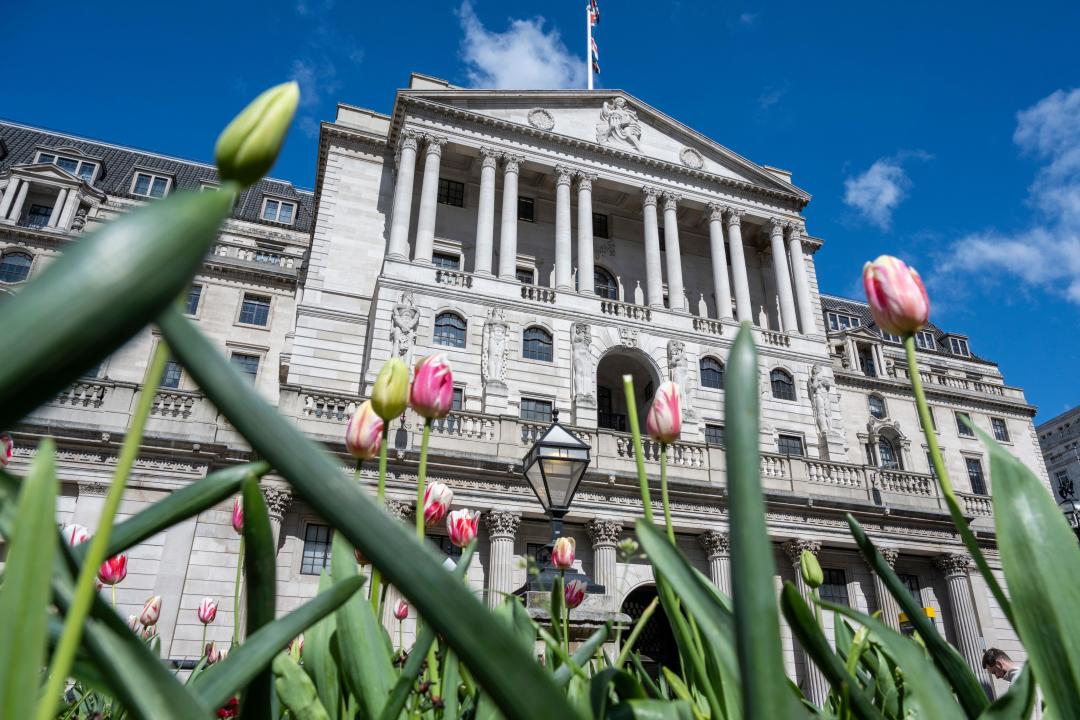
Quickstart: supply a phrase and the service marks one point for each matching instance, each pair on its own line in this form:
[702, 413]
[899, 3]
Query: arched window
[450, 330]
[783, 385]
[536, 344]
[712, 373]
[877, 406]
[887, 457]
[15, 267]
[605, 285]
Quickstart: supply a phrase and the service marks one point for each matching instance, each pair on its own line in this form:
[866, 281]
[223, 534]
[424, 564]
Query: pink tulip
[562, 555]
[401, 610]
[664, 421]
[133, 623]
[433, 387]
[238, 515]
[151, 611]
[75, 534]
[212, 653]
[149, 632]
[297, 644]
[113, 570]
[437, 499]
[7, 448]
[461, 527]
[897, 298]
[363, 434]
[207, 611]
[574, 593]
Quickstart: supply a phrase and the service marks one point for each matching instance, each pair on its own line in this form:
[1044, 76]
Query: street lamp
[1069, 504]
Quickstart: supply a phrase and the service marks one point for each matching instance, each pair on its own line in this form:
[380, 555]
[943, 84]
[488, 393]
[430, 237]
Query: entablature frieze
[964, 399]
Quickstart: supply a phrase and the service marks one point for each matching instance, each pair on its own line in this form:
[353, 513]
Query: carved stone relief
[404, 321]
[496, 349]
[583, 361]
[541, 119]
[618, 122]
[691, 158]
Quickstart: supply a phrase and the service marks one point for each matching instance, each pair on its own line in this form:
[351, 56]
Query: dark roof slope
[118, 163]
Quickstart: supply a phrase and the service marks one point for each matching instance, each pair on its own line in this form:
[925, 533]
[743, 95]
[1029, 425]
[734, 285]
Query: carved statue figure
[619, 121]
[676, 355]
[583, 370]
[493, 361]
[821, 397]
[404, 320]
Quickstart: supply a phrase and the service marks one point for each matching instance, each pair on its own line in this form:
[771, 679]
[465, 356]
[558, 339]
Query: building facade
[548, 243]
[1060, 440]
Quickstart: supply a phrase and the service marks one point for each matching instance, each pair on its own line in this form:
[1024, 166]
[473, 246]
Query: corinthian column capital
[278, 497]
[585, 180]
[734, 216]
[409, 140]
[434, 144]
[715, 543]
[716, 211]
[490, 157]
[951, 564]
[649, 195]
[776, 227]
[671, 200]
[794, 549]
[604, 533]
[502, 524]
[512, 163]
[564, 175]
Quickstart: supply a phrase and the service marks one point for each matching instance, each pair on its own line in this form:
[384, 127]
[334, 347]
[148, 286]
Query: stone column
[584, 233]
[58, 207]
[485, 213]
[502, 527]
[676, 298]
[404, 512]
[743, 310]
[71, 206]
[15, 211]
[717, 547]
[278, 497]
[8, 200]
[890, 610]
[783, 277]
[429, 200]
[654, 278]
[955, 568]
[403, 189]
[719, 261]
[604, 535]
[563, 266]
[509, 228]
[802, 279]
[817, 689]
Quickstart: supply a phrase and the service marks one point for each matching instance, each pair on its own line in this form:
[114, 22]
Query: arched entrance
[610, 398]
[656, 643]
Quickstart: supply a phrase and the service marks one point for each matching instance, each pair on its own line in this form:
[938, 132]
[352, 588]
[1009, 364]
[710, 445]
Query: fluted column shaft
[783, 277]
[71, 206]
[563, 265]
[485, 213]
[721, 286]
[58, 207]
[508, 232]
[8, 200]
[676, 297]
[604, 535]
[403, 191]
[817, 688]
[502, 527]
[802, 280]
[654, 278]
[429, 197]
[955, 568]
[584, 233]
[890, 610]
[717, 547]
[743, 310]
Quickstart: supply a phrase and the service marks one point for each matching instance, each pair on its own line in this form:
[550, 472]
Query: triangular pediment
[46, 171]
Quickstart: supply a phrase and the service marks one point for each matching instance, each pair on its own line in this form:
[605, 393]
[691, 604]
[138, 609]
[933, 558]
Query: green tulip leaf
[296, 691]
[260, 559]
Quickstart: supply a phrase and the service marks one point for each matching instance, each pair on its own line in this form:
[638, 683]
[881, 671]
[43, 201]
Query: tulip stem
[421, 480]
[639, 455]
[203, 646]
[380, 493]
[565, 612]
[236, 593]
[79, 610]
[400, 636]
[946, 485]
[664, 493]
[113, 588]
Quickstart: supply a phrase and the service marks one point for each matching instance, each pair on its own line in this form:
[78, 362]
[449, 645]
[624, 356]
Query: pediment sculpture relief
[618, 121]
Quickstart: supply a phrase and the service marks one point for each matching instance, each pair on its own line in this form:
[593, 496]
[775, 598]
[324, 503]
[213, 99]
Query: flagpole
[588, 42]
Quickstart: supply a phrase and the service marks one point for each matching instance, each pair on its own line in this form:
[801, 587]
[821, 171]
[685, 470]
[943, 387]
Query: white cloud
[771, 95]
[748, 18]
[878, 191]
[523, 57]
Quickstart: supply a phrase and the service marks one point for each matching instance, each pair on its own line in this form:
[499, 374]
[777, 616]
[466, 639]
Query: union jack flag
[595, 56]
[594, 12]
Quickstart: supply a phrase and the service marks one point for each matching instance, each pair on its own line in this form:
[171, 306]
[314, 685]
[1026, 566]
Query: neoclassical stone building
[548, 242]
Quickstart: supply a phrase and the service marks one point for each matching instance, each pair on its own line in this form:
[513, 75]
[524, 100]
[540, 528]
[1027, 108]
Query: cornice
[955, 397]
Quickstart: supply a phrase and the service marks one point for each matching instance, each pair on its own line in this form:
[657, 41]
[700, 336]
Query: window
[834, 587]
[279, 211]
[38, 216]
[247, 364]
[933, 420]
[911, 582]
[930, 464]
[714, 435]
[889, 337]
[789, 445]
[962, 429]
[458, 401]
[450, 330]
[316, 549]
[451, 192]
[536, 344]
[712, 373]
[255, 310]
[866, 360]
[1001, 430]
[446, 261]
[783, 385]
[193, 297]
[539, 410]
[173, 373]
[81, 168]
[959, 346]
[877, 406]
[839, 322]
[148, 185]
[448, 548]
[15, 267]
[887, 455]
[924, 340]
[599, 225]
[526, 209]
[526, 276]
[604, 284]
[975, 475]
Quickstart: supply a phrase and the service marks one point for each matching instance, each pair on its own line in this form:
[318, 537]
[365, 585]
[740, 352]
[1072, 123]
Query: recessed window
[457, 402]
[712, 373]
[1001, 429]
[451, 192]
[1061, 476]
[255, 310]
[537, 344]
[933, 420]
[446, 261]
[526, 276]
[959, 346]
[889, 337]
[877, 406]
[789, 445]
[317, 544]
[526, 209]
[604, 284]
[839, 321]
[450, 330]
[783, 385]
[924, 340]
[975, 475]
[887, 457]
[962, 429]
[80, 168]
[537, 410]
[246, 363]
[191, 307]
[279, 211]
[930, 464]
[714, 435]
[15, 267]
[447, 548]
[834, 587]
[147, 185]
[911, 582]
[38, 215]
[599, 225]
[173, 374]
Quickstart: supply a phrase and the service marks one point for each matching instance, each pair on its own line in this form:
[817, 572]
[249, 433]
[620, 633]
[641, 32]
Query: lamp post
[1069, 505]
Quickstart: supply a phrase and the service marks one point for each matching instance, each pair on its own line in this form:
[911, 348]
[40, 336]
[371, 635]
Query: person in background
[1000, 665]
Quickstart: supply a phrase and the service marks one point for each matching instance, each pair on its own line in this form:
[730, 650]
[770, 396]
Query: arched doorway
[610, 397]
[656, 643]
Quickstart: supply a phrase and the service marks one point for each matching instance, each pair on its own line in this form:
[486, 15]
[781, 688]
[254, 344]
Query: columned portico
[429, 196]
[403, 191]
[676, 296]
[563, 265]
[485, 212]
[653, 274]
[509, 228]
[719, 261]
[955, 568]
[801, 278]
[817, 688]
[783, 277]
[585, 232]
[743, 310]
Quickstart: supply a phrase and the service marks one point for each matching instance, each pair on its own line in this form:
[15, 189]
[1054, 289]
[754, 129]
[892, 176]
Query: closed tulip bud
[75, 534]
[7, 448]
[433, 387]
[113, 570]
[461, 527]
[363, 434]
[562, 555]
[401, 610]
[238, 515]
[133, 623]
[296, 645]
[248, 147]
[627, 547]
[574, 593]
[437, 499]
[151, 611]
[390, 396]
[207, 611]
[664, 421]
[896, 295]
[810, 569]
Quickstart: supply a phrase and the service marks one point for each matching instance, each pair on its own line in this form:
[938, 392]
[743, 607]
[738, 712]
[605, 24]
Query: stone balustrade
[976, 505]
[537, 293]
[776, 339]
[83, 394]
[625, 310]
[453, 278]
[707, 325]
[679, 454]
[956, 382]
[838, 474]
[775, 466]
[906, 483]
[330, 408]
[257, 255]
[175, 404]
[468, 426]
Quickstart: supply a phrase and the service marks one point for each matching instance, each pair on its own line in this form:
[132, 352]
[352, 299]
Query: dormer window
[889, 337]
[839, 321]
[279, 211]
[148, 185]
[924, 340]
[80, 168]
[959, 346]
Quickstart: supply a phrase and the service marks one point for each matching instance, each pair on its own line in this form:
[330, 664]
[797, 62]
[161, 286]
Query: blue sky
[946, 133]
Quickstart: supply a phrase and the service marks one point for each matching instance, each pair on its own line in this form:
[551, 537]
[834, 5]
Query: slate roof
[19, 145]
